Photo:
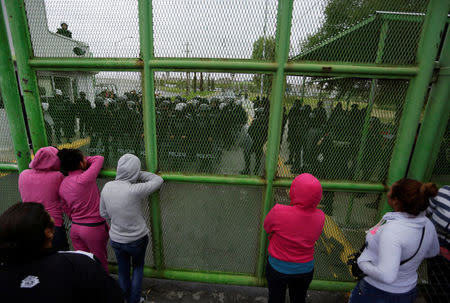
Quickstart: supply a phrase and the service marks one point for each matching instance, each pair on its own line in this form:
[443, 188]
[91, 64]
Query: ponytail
[412, 195]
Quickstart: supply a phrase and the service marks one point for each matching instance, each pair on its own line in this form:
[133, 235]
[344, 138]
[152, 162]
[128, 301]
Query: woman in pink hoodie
[40, 184]
[293, 230]
[80, 194]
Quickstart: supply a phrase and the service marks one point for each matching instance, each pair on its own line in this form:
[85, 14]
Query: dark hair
[70, 158]
[22, 231]
[413, 196]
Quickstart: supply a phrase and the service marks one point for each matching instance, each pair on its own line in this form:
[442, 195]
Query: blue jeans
[131, 254]
[366, 293]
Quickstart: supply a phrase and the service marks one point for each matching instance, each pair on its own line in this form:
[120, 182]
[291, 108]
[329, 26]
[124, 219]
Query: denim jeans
[366, 293]
[278, 282]
[127, 255]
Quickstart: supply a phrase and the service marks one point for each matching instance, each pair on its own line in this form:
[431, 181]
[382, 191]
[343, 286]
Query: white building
[49, 44]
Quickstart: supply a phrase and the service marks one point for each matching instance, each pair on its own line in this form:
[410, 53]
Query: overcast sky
[213, 28]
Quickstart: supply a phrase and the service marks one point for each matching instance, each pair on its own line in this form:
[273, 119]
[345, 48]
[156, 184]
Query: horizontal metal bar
[220, 65]
[9, 167]
[352, 69]
[250, 180]
[215, 179]
[243, 66]
[91, 64]
[340, 186]
[233, 279]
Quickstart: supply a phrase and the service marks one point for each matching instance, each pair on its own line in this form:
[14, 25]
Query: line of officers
[325, 144]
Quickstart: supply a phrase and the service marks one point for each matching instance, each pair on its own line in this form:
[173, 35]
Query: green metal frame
[430, 37]
[10, 93]
[27, 77]
[434, 120]
[419, 76]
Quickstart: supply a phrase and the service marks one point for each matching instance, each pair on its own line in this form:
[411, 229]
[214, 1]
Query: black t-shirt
[58, 277]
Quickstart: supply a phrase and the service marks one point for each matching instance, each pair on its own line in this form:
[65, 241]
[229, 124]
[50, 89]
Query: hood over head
[46, 158]
[128, 168]
[306, 191]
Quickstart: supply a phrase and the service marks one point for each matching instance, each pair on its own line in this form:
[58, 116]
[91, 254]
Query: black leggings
[278, 282]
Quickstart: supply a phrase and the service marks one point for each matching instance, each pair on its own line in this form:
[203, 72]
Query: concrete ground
[169, 291]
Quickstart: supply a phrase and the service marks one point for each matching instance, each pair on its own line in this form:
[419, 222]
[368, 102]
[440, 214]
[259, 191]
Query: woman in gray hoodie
[120, 201]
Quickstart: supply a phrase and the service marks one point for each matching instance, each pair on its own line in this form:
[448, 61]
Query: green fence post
[27, 77]
[146, 39]
[284, 20]
[430, 38]
[11, 98]
[365, 130]
[434, 121]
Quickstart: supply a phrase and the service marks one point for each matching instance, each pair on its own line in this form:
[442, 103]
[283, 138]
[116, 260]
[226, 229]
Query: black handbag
[352, 260]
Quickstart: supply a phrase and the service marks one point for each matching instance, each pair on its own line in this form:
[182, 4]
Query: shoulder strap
[420, 244]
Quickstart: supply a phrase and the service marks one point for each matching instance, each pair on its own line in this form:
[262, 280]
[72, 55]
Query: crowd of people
[35, 263]
[64, 182]
[326, 141]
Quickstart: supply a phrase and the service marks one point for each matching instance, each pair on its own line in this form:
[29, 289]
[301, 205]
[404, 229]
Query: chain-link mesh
[209, 122]
[101, 28]
[356, 31]
[215, 29]
[213, 228]
[441, 171]
[6, 144]
[348, 216]
[98, 113]
[9, 190]
[340, 128]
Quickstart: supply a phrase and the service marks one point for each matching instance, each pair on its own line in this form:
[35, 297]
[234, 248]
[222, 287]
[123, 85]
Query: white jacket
[394, 239]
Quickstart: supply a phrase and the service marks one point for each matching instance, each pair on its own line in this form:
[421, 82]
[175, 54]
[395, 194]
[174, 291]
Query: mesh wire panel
[352, 31]
[211, 123]
[9, 190]
[99, 113]
[100, 28]
[348, 216]
[6, 144]
[215, 28]
[331, 131]
[441, 171]
[201, 233]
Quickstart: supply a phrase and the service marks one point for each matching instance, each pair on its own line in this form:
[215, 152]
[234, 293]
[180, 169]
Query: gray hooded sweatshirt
[121, 199]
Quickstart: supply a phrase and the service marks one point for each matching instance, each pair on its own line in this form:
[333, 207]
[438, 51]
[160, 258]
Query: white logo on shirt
[29, 282]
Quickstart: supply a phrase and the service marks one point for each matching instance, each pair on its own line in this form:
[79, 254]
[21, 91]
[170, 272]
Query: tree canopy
[264, 50]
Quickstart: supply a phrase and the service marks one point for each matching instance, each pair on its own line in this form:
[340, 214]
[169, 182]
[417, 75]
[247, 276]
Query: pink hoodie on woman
[294, 229]
[80, 195]
[41, 182]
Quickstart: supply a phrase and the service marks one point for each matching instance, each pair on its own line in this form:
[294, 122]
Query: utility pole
[187, 73]
[264, 47]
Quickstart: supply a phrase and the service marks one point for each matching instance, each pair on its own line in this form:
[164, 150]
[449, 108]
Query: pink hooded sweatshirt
[41, 182]
[294, 229]
[80, 193]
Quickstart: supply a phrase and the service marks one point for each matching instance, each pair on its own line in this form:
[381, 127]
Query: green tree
[194, 83]
[201, 82]
[264, 50]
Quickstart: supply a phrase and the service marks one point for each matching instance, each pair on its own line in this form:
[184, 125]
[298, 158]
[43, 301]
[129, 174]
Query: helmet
[203, 108]
[180, 106]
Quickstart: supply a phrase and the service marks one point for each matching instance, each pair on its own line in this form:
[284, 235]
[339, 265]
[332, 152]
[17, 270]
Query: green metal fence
[228, 121]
